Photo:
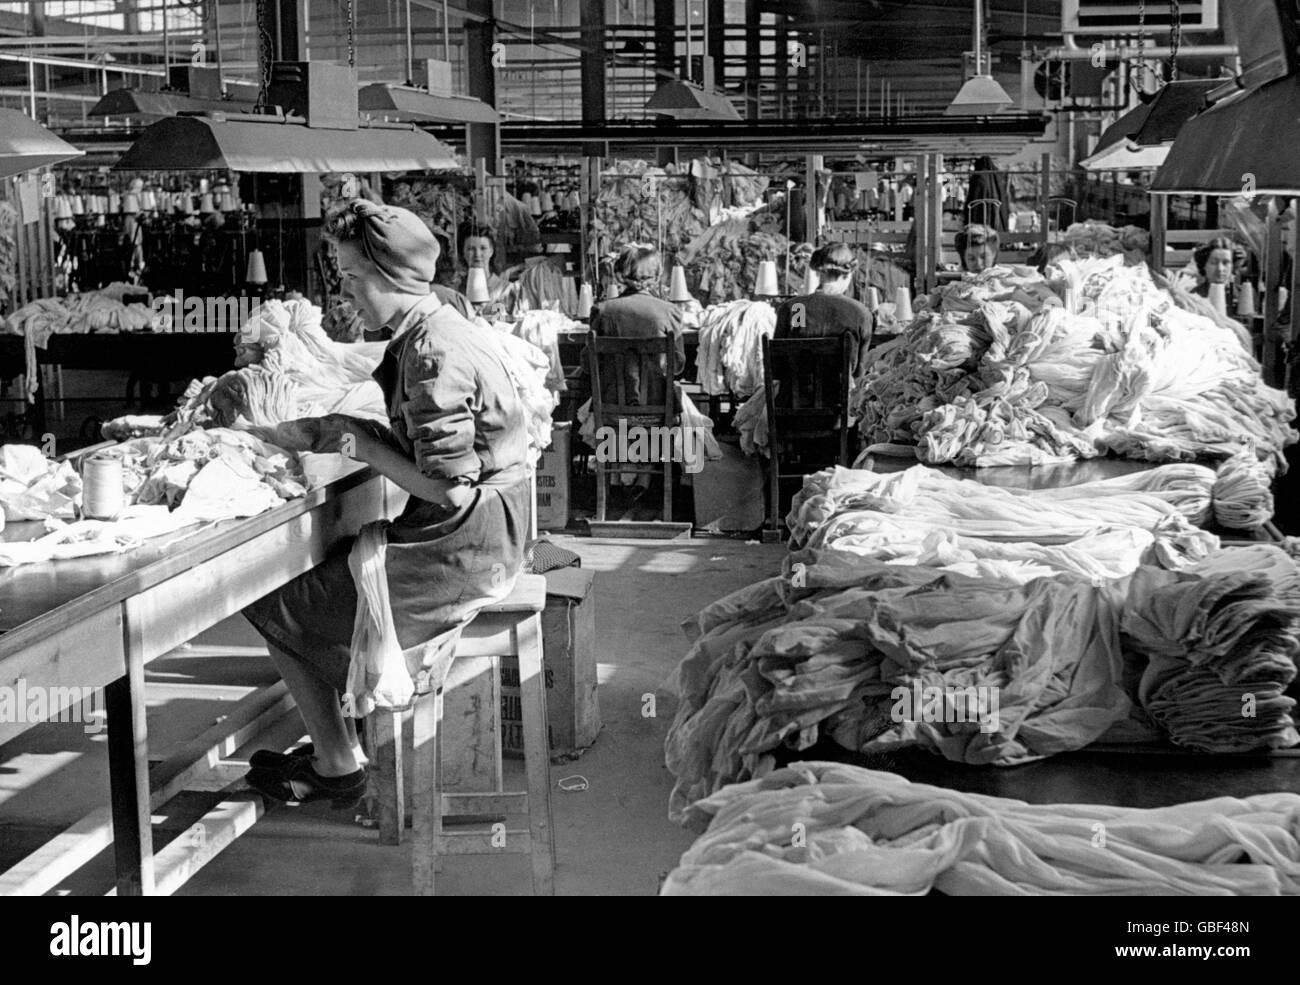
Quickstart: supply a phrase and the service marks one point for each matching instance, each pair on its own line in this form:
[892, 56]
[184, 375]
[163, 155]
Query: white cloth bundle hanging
[378, 676]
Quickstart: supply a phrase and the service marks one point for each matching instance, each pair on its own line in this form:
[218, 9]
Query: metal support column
[591, 17]
[481, 58]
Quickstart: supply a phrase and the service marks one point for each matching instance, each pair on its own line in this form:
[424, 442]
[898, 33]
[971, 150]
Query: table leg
[128, 766]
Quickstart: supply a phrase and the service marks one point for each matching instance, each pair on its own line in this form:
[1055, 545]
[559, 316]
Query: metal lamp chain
[1175, 38]
[352, 48]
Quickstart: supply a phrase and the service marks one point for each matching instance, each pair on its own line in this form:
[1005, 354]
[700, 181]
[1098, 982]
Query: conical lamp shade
[765, 282]
[584, 301]
[677, 289]
[811, 282]
[476, 286]
[1219, 298]
[1246, 300]
[256, 268]
[903, 305]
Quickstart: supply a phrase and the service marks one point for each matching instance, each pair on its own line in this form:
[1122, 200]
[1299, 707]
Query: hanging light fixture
[980, 95]
[686, 100]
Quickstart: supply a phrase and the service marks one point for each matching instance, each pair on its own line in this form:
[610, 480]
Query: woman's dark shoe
[266, 759]
[297, 780]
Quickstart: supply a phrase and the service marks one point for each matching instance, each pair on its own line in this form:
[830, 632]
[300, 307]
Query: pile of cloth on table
[288, 368]
[101, 311]
[1063, 610]
[817, 828]
[1004, 367]
[195, 476]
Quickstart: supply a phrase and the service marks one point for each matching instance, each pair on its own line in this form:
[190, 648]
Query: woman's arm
[391, 463]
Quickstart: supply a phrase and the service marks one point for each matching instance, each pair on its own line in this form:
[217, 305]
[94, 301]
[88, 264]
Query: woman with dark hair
[977, 246]
[458, 444]
[638, 313]
[478, 248]
[1217, 261]
[829, 312]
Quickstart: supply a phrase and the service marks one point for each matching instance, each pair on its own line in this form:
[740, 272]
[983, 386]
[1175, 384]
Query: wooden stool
[512, 627]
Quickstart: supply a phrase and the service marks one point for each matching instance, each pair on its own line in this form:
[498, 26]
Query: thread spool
[873, 298]
[256, 273]
[102, 496]
[677, 291]
[207, 205]
[585, 301]
[903, 305]
[765, 282]
[1219, 298]
[811, 282]
[1246, 300]
[476, 286]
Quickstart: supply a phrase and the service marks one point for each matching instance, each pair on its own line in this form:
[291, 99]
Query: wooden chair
[807, 388]
[511, 627]
[632, 386]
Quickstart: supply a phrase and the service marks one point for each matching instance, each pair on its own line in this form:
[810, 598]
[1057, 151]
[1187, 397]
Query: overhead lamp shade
[584, 301]
[903, 305]
[256, 268]
[1219, 298]
[476, 286]
[25, 145]
[271, 145]
[688, 101]
[399, 102]
[143, 105]
[981, 95]
[1246, 300]
[765, 282]
[131, 204]
[811, 282]
[1239, 138]
[677, 287]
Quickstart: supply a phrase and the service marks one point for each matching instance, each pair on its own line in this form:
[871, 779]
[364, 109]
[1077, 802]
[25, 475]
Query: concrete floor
[613, 838]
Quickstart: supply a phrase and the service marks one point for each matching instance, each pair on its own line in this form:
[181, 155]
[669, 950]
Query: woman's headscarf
[398, 243]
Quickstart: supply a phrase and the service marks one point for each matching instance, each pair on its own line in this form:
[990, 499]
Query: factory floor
[613, 837]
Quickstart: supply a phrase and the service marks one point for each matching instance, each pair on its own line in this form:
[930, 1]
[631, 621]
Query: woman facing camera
[978, 248]
[458, 443]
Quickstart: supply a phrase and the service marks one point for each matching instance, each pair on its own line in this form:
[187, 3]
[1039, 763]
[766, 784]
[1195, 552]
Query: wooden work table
[96, 622]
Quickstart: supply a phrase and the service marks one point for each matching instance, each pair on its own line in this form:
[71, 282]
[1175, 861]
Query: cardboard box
[553, 480]
[569, 640]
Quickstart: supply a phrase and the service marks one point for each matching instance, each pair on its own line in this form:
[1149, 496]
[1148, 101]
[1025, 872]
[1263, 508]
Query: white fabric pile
[828, 829]
[730, 357]
[996, 371]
